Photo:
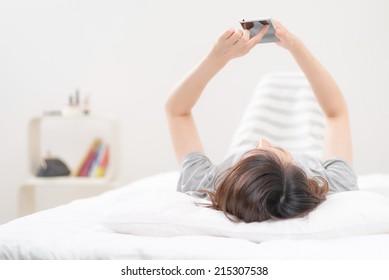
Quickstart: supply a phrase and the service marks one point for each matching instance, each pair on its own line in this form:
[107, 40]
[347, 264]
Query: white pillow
[375, 182]
[164, 212]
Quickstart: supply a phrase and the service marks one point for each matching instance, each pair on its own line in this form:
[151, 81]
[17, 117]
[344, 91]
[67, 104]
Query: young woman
[266, 182]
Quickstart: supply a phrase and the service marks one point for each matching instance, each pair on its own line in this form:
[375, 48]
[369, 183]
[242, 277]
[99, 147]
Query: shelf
[68, 137]
[68, 181]
[102, 117]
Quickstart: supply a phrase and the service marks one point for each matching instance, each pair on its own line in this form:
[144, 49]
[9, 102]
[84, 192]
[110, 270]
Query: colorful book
[85, 169]
[97, 161]
[100, 172]
[88, 156]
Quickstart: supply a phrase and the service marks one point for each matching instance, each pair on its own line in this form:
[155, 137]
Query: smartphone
[254, 26]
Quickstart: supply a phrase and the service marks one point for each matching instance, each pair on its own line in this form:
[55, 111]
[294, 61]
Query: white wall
[129, 54]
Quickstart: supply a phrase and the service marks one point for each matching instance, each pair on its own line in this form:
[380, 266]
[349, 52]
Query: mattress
[74, 231]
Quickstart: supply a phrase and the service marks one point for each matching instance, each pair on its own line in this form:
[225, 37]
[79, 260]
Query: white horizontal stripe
[296, 75]
[277, 96]
[292, 145]
[285, 102]
[317, 153]
[281, 123]
[284, 99]
[296, 136]
[297, 141]
[287, 110]
[283, 82]
[311, 152]
[265, 127]
[284, 74]
[297, 118]
[261, 128]
[284, 130]
[292, 129]
[293, 85]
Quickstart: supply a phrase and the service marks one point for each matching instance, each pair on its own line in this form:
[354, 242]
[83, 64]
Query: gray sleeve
[197, 172]
[341, 176]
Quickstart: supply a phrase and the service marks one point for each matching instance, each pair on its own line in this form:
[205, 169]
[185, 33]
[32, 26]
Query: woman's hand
[235, 43]
[288, 40]
[338, 141]
[183, 131]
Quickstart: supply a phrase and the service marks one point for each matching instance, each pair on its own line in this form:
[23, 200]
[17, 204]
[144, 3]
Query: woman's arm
[183, 131]
[338, 136]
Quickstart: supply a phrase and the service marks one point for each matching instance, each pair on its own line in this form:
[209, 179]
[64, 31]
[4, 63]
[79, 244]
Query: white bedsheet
[72, 231]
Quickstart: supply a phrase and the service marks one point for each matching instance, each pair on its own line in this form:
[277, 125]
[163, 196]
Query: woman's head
[263, 185]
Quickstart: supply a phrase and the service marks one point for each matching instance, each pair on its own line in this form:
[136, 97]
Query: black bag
[51, 167]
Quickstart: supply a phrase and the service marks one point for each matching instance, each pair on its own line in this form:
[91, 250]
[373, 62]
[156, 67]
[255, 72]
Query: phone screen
[254, 26]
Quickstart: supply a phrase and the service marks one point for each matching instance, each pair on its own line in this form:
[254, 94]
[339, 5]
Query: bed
[81, 230]
[149, 219]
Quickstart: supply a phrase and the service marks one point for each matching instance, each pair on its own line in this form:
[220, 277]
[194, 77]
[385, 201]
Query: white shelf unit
[68, 138]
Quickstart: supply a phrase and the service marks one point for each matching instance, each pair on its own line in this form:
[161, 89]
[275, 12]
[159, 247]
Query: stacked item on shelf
[95, 161]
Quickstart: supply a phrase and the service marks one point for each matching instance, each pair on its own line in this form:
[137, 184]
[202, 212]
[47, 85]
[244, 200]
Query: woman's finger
[257, 38]
[227, 34]
[244, 38]
[234, 37]
[246, 35]
[240, 35]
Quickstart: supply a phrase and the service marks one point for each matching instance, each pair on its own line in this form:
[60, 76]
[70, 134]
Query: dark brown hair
[260, 187]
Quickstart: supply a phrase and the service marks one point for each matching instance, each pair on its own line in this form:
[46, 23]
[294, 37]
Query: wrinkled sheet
[73, 231]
